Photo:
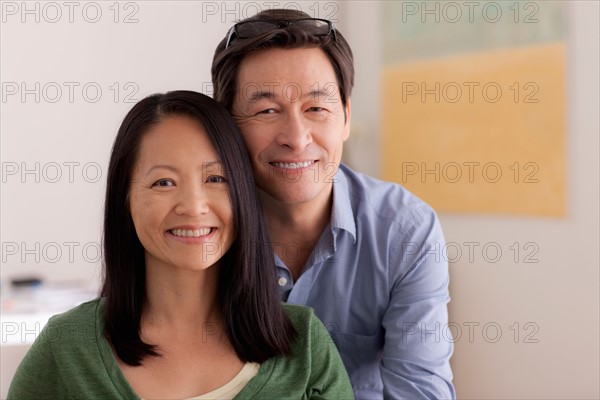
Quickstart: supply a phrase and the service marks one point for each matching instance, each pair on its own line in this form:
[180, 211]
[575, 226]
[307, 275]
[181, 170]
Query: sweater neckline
[116, 376]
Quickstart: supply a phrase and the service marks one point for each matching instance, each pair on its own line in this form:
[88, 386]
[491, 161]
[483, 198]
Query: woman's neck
[182, 300]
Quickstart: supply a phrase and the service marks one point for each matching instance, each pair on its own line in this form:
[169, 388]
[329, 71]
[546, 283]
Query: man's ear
[348, 110]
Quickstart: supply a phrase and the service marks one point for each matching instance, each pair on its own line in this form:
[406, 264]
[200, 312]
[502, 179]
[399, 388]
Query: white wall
[559, 295]
[55, 57]
[54, 229]
[46, 226]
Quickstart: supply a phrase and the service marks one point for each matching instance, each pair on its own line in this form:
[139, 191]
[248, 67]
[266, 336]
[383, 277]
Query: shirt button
[282, 281]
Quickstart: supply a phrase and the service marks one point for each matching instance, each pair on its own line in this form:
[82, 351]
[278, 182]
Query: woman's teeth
[190, 232]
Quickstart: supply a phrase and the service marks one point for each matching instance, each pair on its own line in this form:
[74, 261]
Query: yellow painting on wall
[481, 131]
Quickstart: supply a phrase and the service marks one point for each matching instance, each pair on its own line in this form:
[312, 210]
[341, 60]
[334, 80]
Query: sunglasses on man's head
[250, 29]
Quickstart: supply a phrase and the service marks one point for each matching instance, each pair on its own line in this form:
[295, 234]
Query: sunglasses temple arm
[230, 36]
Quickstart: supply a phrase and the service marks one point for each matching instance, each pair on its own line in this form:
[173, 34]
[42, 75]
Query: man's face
[289, 110]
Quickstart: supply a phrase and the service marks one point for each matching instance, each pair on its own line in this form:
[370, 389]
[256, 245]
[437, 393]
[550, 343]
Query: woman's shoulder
[314, 368]
[83, 313]
[298, 314]
[307, 324]
[78, 326]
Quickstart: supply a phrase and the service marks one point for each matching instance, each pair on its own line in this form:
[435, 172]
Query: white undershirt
[229, 390]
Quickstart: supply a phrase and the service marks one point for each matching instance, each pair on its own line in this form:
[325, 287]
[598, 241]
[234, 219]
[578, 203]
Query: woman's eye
[216, 179]
[163, 183]
[316, 109]
[267, 111]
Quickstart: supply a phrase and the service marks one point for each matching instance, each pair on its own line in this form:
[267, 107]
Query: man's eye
[216, 179]
[316, 109]
[163, 183]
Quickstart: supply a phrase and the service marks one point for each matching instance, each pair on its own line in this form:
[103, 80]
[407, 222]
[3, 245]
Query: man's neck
[295, 228]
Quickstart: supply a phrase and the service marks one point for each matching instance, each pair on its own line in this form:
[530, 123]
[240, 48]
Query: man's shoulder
[383, 200]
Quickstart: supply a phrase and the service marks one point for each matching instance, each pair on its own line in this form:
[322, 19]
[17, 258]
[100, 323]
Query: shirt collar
[342, 214]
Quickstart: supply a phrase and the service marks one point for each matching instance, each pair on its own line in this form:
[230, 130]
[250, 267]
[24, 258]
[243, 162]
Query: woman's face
[179, 197]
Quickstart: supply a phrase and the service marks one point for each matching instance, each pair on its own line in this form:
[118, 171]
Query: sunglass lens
[313, 26]
[254, 28]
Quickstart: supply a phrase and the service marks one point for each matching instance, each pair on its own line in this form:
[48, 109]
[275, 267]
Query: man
[363, 253]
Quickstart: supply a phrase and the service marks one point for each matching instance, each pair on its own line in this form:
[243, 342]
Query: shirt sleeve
[328, 375]
[38, 377]
[418, 343]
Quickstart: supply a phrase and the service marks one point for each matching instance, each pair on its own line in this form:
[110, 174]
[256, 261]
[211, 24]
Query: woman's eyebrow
[205, 165]
[211, 163]
[162, 166]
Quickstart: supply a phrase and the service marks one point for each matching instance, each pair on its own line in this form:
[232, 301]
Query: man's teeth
[190, 233]
[293, 165]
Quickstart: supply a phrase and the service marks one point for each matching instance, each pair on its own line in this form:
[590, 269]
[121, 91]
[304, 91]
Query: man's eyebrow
[318, 93]
[263, 94]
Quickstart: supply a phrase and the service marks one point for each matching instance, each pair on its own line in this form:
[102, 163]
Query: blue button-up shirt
[378, 280]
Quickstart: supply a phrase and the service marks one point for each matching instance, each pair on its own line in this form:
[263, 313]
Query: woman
[189, 305]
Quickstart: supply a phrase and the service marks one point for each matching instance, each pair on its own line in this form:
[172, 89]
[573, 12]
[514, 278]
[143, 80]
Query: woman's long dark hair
[253, 316]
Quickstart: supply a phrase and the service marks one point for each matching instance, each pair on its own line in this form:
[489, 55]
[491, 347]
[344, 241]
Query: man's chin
[289, 193]
[292, 193]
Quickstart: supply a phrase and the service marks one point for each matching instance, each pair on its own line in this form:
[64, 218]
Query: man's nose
[294, 132]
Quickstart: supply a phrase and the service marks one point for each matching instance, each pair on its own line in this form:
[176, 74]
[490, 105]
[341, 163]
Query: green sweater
[71, 359]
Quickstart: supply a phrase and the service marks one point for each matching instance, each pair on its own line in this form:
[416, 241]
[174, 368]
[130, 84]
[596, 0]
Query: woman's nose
[192, 201]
